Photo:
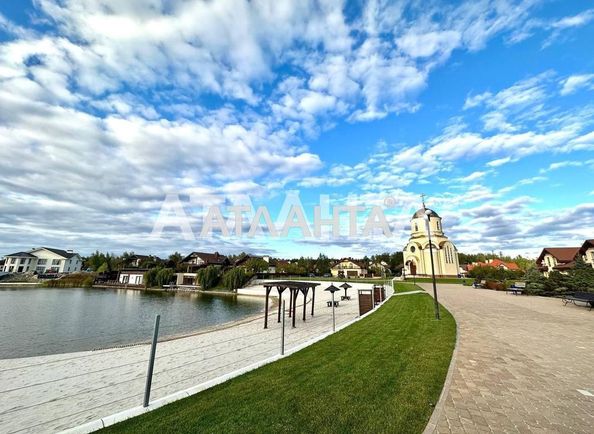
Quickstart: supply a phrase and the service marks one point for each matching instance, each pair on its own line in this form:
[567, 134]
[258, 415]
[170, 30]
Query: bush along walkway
[382, 374]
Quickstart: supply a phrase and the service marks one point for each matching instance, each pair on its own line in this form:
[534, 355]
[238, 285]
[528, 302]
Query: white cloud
[572, 83]
[499, 162]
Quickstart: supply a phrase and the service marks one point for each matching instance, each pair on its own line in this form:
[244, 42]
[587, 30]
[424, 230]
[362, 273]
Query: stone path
[523, 365]
[53, 393]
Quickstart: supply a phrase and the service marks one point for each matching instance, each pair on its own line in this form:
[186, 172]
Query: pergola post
[313, 299]
[291, 302]
[304, 290]
[280, 299]
[294, 296]
[268, 288]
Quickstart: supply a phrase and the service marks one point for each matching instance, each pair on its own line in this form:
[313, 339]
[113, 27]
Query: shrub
[235, 278]
[208, 277]
[150, 278]
[88, 282]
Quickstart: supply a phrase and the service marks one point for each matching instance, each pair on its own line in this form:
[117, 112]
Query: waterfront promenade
[57, 392]
[523, 364]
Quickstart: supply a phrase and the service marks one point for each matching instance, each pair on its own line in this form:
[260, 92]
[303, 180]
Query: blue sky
[106, 107]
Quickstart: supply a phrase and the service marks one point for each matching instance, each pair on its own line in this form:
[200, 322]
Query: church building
[417, 259]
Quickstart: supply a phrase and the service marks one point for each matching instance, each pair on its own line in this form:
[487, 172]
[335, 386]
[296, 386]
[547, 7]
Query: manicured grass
[406, 287]
[381, 374]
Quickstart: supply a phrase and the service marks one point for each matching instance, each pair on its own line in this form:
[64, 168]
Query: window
[56, 262]
[13, 260]
[41, 261]
[592, 255]
[437, 223]
[23, 260]
[416, 227]
[412, 249]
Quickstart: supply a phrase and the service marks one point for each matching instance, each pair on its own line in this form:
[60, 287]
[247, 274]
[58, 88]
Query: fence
[53, 393]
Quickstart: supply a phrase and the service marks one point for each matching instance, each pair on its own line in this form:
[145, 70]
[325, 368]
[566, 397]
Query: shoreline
[197, 332]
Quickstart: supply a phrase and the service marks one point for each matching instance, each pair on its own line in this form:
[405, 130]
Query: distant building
[272, 263]
[560, 259]
[417, 259]
[587, 252]
[380, 268]
[495, 263]
[348, 267]
[196, 260]
[132, 276]
[43, 260]
[138, 260]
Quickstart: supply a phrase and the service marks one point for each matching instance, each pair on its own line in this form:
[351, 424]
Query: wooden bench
[329, 303]
[517, 288]
[581, 297]
[345, 297]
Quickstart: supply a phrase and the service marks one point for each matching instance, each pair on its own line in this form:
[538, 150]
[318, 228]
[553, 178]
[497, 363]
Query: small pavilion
[294, 289]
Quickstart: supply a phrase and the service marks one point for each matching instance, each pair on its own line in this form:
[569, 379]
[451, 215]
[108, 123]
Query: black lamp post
[332, 289]
[428, 214]
[345, 286]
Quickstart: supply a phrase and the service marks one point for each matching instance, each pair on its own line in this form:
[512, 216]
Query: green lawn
[382, 374]
[405, 287]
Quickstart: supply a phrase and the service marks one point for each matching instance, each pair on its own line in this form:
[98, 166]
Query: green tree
[581, 277]
[150, 278]
[175, 261]
[235, 278]
[256, 265]
[164, 276]
[323, 264]
[103, 268]
[208, 277]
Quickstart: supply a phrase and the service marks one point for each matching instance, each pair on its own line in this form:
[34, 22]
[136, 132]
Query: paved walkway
[523, 365]
[53, 393]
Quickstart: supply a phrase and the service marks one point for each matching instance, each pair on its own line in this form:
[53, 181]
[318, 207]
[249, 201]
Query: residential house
[495, 263]
[380, 268]
[241, 261]
[348, 267]
[587, 252]
[560, 259]
[139, 260]
[196, 260]
[43, 260]
[132, 276]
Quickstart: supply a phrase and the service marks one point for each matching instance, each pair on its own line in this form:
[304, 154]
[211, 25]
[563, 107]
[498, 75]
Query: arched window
[438, 228]
[416, 227]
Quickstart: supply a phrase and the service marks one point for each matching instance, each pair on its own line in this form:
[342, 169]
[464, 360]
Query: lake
[41, 321]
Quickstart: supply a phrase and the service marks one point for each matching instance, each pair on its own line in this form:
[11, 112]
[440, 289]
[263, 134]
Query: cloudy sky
[109, 106]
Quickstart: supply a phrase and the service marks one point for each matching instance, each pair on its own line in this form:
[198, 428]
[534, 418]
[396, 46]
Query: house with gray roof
[43, 260]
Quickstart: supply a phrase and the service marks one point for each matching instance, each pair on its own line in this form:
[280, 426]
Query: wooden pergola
[294, 289]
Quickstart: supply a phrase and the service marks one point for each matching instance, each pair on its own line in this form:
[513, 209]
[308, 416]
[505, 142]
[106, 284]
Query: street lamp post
[332, 289]
[428, 214]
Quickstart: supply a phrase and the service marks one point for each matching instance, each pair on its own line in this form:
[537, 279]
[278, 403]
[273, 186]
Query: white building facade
[417, 259]
[43, 260]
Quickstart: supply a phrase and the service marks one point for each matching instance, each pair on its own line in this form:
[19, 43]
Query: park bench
[480, 284]
[345, 297]
[516, 288]
[580, 297]
[329, 302]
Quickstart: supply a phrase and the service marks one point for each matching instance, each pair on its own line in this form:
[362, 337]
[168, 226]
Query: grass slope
[382, 374]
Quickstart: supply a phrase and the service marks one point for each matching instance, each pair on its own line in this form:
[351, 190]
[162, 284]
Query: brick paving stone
[520, 362]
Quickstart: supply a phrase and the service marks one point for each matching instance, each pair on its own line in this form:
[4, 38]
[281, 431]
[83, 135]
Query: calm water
[40, 321]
